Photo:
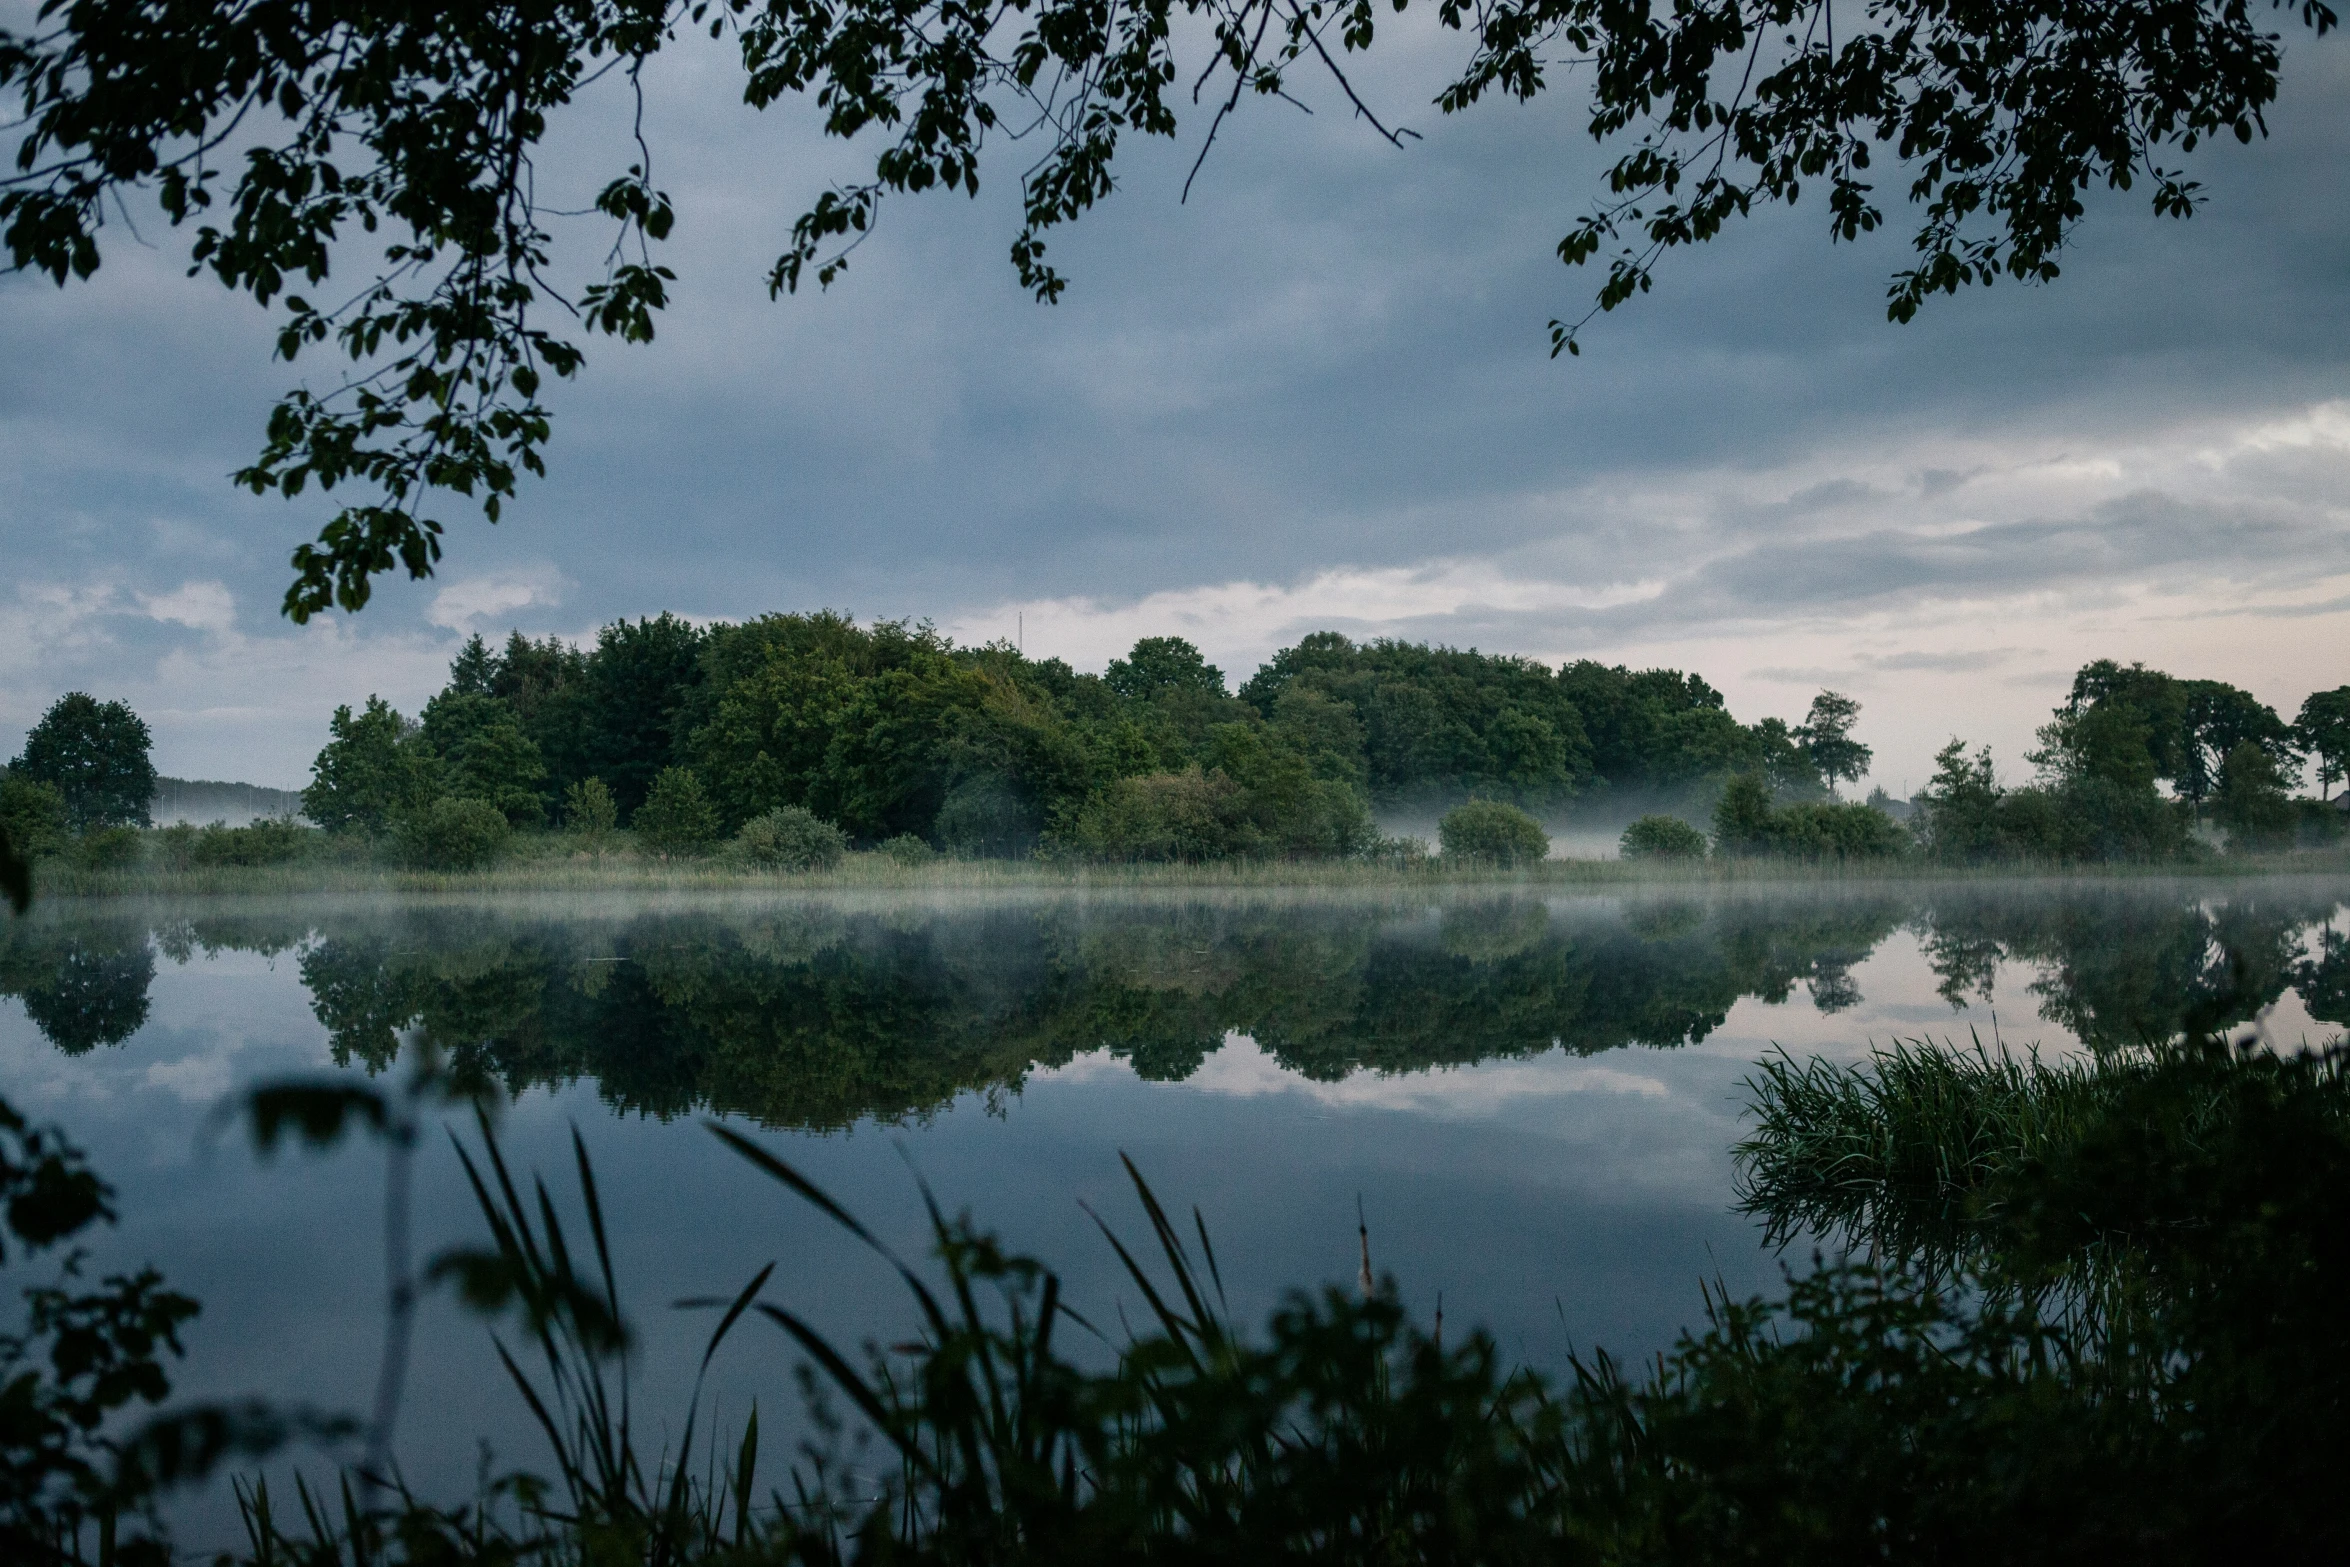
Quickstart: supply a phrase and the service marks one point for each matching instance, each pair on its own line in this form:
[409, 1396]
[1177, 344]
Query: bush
[789, 838]
[1190, 816]
[453, 833]
[1746, 822]
[264, 841]
[2252, 804]
[1824, 830]
[588, 807]
[676, 817]
[34, 815]
[1492, 831]
[1743, 816]
[108, 848]
[986, 817]
[1399, 851]
[1662, 838]
[2319, 822]
[907, 849]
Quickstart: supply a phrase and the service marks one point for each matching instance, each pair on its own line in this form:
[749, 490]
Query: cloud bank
[1316, 396]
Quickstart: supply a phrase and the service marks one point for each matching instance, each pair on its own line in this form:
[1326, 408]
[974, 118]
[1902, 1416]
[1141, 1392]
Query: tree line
[790, 738]
[895, 735]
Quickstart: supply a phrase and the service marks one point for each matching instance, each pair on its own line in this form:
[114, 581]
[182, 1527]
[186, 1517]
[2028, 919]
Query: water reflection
[814, 1015]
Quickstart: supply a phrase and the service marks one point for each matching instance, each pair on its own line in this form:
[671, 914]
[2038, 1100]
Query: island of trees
[789, 740]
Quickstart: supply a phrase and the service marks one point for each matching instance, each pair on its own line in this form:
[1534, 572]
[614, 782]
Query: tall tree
[1826, 737]
[372, 767]
[369, 122]
[1161, 666]
[96, 754]
[2220, 718]
[639, 680]
[2323, 730]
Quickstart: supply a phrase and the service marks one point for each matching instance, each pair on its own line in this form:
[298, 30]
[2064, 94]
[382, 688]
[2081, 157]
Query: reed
[876, 871]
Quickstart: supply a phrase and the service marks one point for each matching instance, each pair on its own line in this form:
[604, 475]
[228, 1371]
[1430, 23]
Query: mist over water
[1533, 1098]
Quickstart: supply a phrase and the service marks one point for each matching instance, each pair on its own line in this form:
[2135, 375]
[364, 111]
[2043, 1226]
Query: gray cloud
[1332, 357]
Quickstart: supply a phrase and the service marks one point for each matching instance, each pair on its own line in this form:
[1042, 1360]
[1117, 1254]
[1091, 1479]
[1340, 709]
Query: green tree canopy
[373, 766]
[485, 755]
[2323, 730]
[96, 755]
[1826, 738]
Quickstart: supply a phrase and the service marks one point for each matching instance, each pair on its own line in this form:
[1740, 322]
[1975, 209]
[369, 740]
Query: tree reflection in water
[816, 1014]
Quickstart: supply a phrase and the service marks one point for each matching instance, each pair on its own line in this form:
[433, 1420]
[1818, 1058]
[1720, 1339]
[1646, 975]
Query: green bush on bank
[790, 839]
[33, 815]
[1492, 832]
[590, 810]
[908, 850]
[452, 833]
[677, 817]
[1748, 823]
[1662, 838]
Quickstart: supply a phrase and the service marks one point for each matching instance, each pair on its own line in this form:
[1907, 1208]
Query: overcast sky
[1317, 395]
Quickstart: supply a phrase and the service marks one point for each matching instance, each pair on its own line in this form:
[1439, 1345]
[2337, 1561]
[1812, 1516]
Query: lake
[1530, 1101]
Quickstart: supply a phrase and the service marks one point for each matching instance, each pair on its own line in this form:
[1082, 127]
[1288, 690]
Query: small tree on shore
[677, 817]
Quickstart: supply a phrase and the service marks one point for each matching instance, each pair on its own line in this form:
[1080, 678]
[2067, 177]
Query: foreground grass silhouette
[2085, 1311]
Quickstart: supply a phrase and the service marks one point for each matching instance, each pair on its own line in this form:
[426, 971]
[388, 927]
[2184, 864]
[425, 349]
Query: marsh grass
[1877, 1411]
[581, 870]
[1903, 1155]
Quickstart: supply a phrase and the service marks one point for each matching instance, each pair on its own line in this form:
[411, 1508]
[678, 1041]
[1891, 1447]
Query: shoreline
[872, 873]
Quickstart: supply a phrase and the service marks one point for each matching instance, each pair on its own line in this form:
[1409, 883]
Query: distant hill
[203, 800]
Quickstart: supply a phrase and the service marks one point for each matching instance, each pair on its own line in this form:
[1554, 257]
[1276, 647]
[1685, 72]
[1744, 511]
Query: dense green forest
[787, 741]
[890, 731]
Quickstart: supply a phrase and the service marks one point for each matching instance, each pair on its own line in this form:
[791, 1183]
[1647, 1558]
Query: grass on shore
[557, 863]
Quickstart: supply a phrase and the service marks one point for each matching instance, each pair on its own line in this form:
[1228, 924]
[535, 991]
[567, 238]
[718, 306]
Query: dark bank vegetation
[783, 744]
[2093, 1306]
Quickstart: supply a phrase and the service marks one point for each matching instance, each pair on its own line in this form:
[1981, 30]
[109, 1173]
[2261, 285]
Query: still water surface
[1533, 1100]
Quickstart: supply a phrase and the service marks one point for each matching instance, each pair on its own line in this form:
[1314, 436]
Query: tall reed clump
[1883, 1409]
[1904, 1153]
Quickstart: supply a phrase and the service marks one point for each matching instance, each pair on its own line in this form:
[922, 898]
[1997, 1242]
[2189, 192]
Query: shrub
[2252, 804]
[789, 838]
[1827, 830]
[33, 814]
[907, 849]
[986, 817]
[264, 841]
[108, 848]
[588, 807]
[1662, 838]
[1745, 822]
[1492, 831]
[676, 817]
[1191, 815]
[453, 833]
[1742, 817]
[1398, 851]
